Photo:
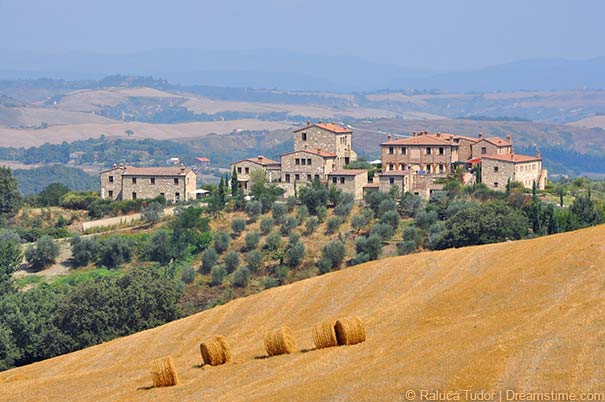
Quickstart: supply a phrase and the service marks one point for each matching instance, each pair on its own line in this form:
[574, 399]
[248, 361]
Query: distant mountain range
[288, 70]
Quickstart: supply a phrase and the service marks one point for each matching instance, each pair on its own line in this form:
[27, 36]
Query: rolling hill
[525, 316]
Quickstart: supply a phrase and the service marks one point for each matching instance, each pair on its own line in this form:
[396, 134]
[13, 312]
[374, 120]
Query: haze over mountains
[295, 70]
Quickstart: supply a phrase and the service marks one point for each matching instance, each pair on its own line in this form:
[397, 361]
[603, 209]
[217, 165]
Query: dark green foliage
[152, 212]
[373, 199]
[231, 260]
[254, 259]
[485, 223]
[10, 198]
[385, 206]
[391, 218]
[358, 222]
[221, 242]
[253, 210]
[241, 277]
[333, 253]
[410, 204]
[410, 233]
[190, 232]
[33, 181]
[159, 247]
[367, 248]
[188, 274]
[238, 225]
[266, 225]
[311, 225]
[322, 212]
[291, 203]
[272, 241]
[585, 212]
[334, 194]
[289, 223]
[314, 196]
[73, 200]
[425, 219]
[251, 240]
[10, 258]
[302, 213]
[406, 247]
[84, 250]
[383, 231]
[218, 274]
[332, 224]
[209, 259]
[344, 205]
[116, 250]
[43, 253]
[282, 273]
[278, 212]
[434, 235]
[269, 283]
[51, 195]
[295, 253]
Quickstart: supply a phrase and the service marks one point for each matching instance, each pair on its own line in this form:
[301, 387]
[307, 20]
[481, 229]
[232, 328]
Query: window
[134, 180]
[495, 169]
[483, 150]
[342, 180]
[495, 184]
[391, 180]
[309, 177]
[134, 196]
[152, 180]
[177, 196]
[297, 161]
[163, 195]
[304, 136]
[441, 151]
[404, 151]
[391, 166]
[441, 168]
[391, 151]
[308, 161]
[316, 177]
[287, 178]
[176, 180]
[428, 150]
[110, 193]
[304, 161]
[111, 179]
[334, 180]
[247, 170]
[239, 169]
[297, 177]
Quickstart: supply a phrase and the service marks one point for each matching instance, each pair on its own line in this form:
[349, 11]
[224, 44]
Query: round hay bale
[280, 341]
[163, 373]
[324, 334]
[350, 331]
[216, 351]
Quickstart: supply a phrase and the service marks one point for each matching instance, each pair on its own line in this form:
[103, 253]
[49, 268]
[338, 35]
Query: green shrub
[358, 222]
[367, 248]
[333, 253]
[241, 277]
[406, 247]
[116, 250]
[43, 253]
[288, 224]
[218, 274]
[269, 283]
[188, 274]
[84, 250]
[254, 260]
[251, 240]
[311, 225]
[282, 273]
[266, 225]
[383, 231]
[209, 259]
[321, 213]
[296, 253]
[231, 261]
[159, 247]
[333, 224]
[221, 242]
[273, 241]
[410, 233]
[344, 205]
[391, 218]
[291, 203]
[302, 213]
[278, 212]
[253, 209]
[238, 225]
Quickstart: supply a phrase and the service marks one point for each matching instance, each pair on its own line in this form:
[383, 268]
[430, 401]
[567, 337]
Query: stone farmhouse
[245, 167]
[498, 169]
[175, 183]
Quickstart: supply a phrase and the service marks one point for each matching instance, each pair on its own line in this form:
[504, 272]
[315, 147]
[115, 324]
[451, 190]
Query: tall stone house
[327, 137]
[245, 167]
[498, 169]
[175, 183]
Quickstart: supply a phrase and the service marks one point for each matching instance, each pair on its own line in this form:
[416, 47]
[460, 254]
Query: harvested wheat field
[527, 315]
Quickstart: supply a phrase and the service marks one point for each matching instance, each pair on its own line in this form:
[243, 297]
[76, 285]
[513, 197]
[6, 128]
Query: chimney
[319, 121]
[114, 166]
[389, 137]
[260, 157]
[308, 123]
[480, 136]
[413, 133]
[538, 152]
[122, 166]
[509, 138]
[182, 168]
[438, 134]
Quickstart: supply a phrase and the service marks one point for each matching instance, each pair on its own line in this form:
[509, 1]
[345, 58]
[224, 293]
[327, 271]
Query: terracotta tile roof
[498, 141]
[348, 172]
[259, 160]
[394, 173]
[464, 137]
[155, 171]
[333, 127]
[424, 139]
[202, 159]
[319, 152]
[515, 158]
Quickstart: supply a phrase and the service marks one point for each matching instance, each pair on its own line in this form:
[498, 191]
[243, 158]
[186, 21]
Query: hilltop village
[419, 164]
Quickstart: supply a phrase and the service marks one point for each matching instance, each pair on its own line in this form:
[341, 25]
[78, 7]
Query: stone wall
[319, 165]
[490, 149]
[399, 157]
[495, 173]
[111, 184]
[387, 182]
[319, 138]
[350, 183]
[128, 187]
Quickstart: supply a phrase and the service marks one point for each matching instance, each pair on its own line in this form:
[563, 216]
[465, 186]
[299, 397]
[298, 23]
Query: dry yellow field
[590, 122]
[525, 316]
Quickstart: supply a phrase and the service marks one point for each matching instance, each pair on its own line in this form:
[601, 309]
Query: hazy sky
[457, 34]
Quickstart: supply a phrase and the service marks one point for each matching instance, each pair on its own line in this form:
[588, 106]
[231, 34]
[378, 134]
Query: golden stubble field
[525, 316]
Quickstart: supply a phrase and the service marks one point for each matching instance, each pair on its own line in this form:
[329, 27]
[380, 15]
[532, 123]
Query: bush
[253, 209]
[406, 247]
[152, 213]
[188, 274]
[282, 273]
[218, 275]
[231, 261]
[209, 259]
[43, 253]
[410, 233]
[116, 250]
[333, 253]
[368, 248]
[302, 213]
[383, 231]
[410, 204]
[314, 196]
[241, 278]
[321, 213]
[266, 225]
[386, 206]
[288, 224]
[296, 253]
[273, 241]
[251, 240]
[238, 225]
[333, 224]
[278, 211]
[425, 219]
[391, 218]
[324, 265]
[254, 259]
[221, 242]
[291, 203]
[311, 225]
[269, 283]
[358, 222]
[84, 250]
[344, 205]
[159, 247]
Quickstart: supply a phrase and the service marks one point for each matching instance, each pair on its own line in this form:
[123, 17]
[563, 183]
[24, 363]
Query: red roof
[394, 173]
[333, 127]
[424, 139]
[319, 152]
[498, 141]
[515, 158]
[202, 159]
[259, 160]
[348, 172]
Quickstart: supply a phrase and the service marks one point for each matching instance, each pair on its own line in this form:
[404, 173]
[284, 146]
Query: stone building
[498, 170]
[245, 167]
[328, 137]
[123, 182]
[491, 146]
[350, 181]
[388, 180]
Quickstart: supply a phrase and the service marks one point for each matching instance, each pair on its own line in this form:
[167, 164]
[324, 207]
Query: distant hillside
[32, 181]
[500, 317]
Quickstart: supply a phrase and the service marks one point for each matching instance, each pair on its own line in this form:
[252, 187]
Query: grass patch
[29, 280]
